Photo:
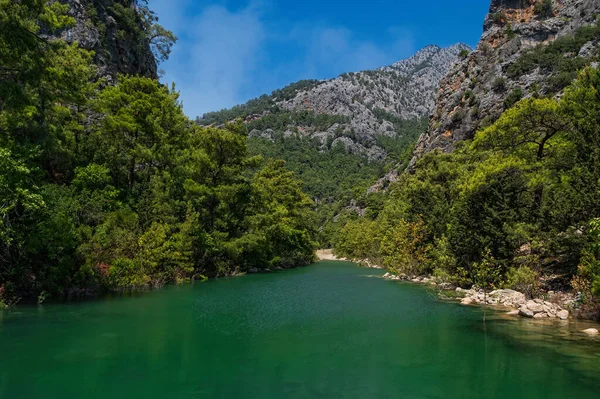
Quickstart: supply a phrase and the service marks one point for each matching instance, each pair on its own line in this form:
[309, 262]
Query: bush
[514, 97]
[499, 85]
[544, 9]
[523, 279]
[458, 116]
[498, 17]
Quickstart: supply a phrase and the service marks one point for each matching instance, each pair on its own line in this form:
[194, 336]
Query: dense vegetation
[333, 176]
[113, 188]
[264, 103]
[520, 199]
[559, 61]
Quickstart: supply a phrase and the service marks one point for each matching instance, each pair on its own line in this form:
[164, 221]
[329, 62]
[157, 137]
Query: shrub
[458, 116]
[463, 53]
[523, 279]
[544, 9]
[498, 17]
[514, 97]
[499, 85]
[510, 33]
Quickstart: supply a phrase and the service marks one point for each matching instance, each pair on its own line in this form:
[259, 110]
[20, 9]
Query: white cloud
[216, 55]
[222, 56]
[330, 51]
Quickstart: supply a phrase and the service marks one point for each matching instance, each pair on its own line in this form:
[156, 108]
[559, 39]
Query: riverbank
[559, 306]
[327, 254]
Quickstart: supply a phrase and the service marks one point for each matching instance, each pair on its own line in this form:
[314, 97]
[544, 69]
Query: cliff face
[479, 88]
[405, 89]
[364, 106]
[114, 30]
[372, 100]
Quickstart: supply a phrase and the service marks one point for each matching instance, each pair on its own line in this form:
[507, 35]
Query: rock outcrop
[367, 104]
[114, 30]
[535, 308]
[405, 90]
[480, 87]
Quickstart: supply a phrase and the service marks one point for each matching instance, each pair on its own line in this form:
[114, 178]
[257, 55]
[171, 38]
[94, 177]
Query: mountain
[354, 109]
[503, 191]
[529, 48]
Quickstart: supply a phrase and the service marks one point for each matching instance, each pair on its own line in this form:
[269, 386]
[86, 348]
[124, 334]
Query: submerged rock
[590, 331]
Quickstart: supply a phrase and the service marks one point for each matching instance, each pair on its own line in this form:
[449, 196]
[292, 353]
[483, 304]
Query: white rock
[534, 306]
[513, 312]
[563, 314]
[466, 301]
[590, 331]
[525, 311]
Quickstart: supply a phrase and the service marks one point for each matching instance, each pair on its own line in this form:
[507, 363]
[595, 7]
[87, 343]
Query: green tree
[142, 126]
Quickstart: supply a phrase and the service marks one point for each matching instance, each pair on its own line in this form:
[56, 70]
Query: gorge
[146, 253]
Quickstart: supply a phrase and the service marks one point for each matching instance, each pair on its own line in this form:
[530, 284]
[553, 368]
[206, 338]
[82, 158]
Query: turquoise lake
[330, 330]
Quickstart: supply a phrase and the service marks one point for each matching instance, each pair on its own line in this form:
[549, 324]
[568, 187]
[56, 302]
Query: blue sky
[232, 50]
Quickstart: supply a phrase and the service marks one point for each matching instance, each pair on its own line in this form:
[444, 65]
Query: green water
[330, 330]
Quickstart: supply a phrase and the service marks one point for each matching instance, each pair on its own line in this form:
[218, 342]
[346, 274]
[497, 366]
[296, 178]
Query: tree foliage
[521, 196]
[113, 188]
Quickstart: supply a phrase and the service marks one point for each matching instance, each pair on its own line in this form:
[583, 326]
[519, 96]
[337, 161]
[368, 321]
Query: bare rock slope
[365, 105]
[504, 67]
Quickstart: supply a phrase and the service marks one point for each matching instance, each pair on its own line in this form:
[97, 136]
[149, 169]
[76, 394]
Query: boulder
[534, 306]
[563, 314]
[513, 312]
[510, 298]
[466, 301]
[590, 331]
[541, 315]
[525, 311]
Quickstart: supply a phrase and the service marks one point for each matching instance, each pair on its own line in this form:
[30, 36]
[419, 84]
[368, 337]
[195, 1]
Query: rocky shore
[533, 308]
[554, 305]
[510, 299]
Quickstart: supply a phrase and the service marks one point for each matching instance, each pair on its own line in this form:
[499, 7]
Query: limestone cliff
[114, 30]
[503, 70]
[363, 106]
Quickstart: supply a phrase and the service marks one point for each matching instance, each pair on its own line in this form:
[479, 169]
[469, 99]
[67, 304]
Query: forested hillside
[341, 135]
[109, 186]
[518, 204]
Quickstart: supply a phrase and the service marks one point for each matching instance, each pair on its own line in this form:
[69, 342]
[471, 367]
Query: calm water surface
[330, 330]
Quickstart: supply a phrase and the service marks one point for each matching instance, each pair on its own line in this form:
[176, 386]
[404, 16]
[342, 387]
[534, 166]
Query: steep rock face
[405, 89]
[113, 29]
[479, 88]
[371, 103]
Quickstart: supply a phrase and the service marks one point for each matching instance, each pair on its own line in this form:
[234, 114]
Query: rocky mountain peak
[364, 105]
